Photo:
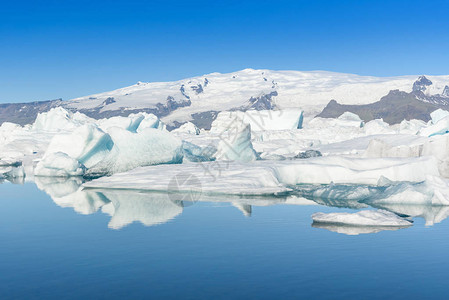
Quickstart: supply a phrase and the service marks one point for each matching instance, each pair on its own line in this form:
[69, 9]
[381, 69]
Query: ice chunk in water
[59, 165]
[236, 145]
[130, 150]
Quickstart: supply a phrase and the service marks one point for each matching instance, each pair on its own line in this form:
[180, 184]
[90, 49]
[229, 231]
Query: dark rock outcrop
[392, 108]
[421, 84]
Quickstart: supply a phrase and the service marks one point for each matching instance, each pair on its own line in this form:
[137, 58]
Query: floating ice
[235, 145]
[350, 118]
[59, 165]
[188, 128]
[432, 191]
[58, 119]
[130, 150]
[438, 114]
[411, 127]
[194, 153]
[378, 126]
[340, 169]
[439, 128]
[215, 177]
[87, 144]
[265, 177]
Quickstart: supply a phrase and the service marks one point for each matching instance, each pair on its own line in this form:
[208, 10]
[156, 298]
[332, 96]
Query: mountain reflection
[152, 208]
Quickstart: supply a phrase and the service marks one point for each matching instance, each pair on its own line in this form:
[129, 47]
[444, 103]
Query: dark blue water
[209, 250]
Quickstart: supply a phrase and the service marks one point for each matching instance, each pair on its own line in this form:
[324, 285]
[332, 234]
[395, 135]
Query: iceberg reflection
[67, 192]
[430, 213]
[355, 230]
[152, 208]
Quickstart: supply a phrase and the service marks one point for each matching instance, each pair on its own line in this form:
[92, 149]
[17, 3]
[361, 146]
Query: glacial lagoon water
[57, 242]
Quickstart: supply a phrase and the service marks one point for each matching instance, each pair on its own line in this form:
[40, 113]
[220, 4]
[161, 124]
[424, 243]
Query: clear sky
[66, 49]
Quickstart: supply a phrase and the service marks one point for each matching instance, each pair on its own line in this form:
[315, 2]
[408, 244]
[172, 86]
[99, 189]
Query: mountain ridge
[202, 97]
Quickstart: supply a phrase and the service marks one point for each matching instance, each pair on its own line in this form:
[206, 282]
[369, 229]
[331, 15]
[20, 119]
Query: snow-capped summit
[183, 100]
[200, 98]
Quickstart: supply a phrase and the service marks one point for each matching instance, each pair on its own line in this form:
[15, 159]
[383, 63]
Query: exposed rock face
[445, 91]
[396, 106]
[393, 108]
[421, 84]
[308, 154]
[263, 102]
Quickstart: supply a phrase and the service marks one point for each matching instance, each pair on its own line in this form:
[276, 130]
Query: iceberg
[235, 145]
[438, 114]
[351, 119]
[150, 121]
[350, 170]
[195, 153]
[88, 144]
[215, 177]
[57, 119]
[378, 126]
[59, 164]
[411, 127]
[130, 150]
[439, 128]
[433, 190]
[188, 128]
[274, 177]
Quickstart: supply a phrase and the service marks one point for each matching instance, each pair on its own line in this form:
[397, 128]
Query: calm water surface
[58, 242]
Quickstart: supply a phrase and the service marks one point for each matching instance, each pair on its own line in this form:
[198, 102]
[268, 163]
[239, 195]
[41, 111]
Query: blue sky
[53, 49]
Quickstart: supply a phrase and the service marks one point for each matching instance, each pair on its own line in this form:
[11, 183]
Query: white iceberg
[351, 119]
[87, 144]
[216, 177]
[378, 126]
[188, 128]
[433, 190]
[235, 145]
[273, 177]
[58, 119]
[349, 170]
[438, 114]
[130, 150]
[59, 164]
[438, 128]
[150, 121]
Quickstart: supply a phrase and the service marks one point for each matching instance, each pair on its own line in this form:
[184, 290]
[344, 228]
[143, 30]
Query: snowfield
[309, 91]
[134, 169]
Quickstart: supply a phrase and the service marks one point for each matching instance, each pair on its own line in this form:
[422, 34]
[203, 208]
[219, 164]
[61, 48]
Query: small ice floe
[371, 219]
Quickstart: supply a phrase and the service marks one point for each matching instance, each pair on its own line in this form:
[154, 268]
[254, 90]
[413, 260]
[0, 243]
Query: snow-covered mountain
[200, 98]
